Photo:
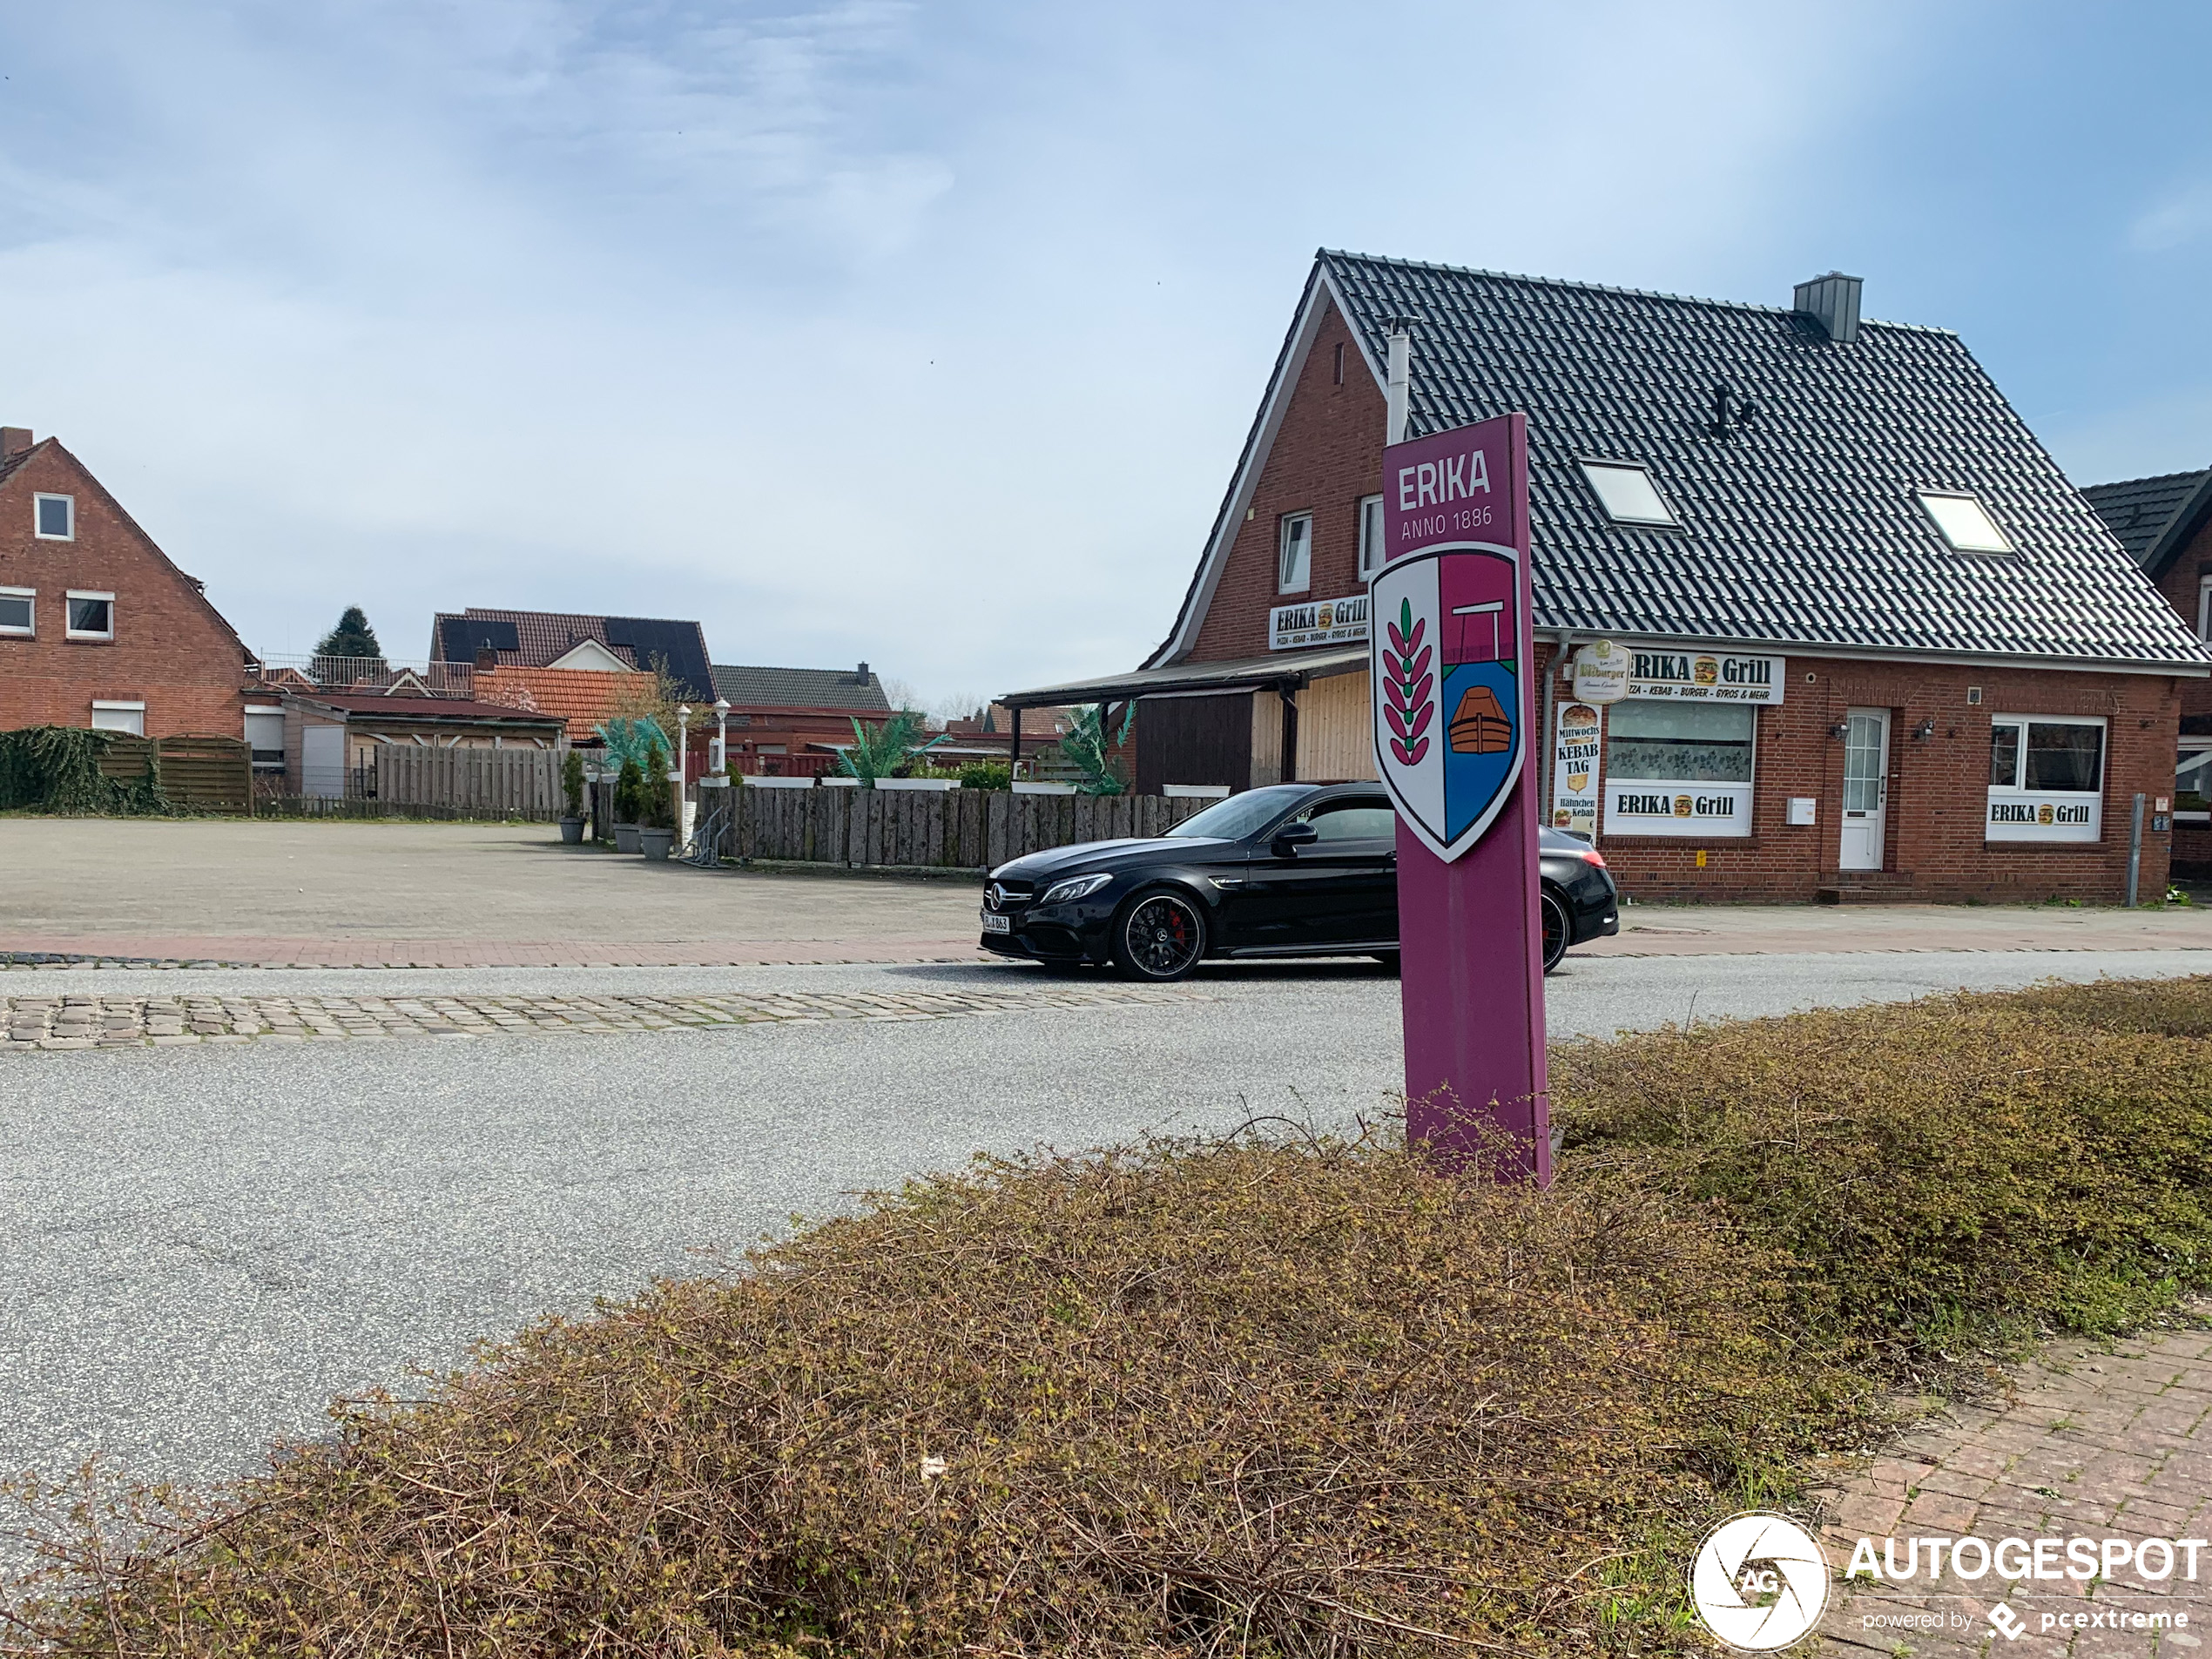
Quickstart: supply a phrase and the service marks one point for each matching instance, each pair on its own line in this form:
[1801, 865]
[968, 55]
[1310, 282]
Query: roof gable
[590, 656]
[537, 638]
[1799, 528]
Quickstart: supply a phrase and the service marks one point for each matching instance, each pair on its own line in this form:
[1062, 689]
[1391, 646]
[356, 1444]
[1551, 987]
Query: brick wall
[171, 651]
[1327, 455]
[1937, 792]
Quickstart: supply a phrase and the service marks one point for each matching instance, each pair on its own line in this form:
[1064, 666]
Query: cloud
[2180, 218]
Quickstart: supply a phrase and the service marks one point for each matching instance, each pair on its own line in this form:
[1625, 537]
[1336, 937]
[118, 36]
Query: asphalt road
[203, 1244]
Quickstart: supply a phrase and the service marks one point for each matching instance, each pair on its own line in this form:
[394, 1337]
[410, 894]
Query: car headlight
[1081, 887]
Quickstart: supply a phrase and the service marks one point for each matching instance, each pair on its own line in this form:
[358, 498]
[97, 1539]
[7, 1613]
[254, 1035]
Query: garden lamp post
[721, 760]
[682, 761]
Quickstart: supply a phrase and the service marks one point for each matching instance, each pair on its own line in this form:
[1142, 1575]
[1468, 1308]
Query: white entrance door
[1866, 788]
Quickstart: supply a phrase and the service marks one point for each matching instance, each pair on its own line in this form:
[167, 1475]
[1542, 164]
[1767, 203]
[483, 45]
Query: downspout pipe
[1400, 374]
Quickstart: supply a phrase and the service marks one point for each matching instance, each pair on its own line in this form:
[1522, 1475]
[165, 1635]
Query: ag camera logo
[1759, 1582]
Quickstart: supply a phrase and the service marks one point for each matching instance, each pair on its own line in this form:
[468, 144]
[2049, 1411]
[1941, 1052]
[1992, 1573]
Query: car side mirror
[1290, 837]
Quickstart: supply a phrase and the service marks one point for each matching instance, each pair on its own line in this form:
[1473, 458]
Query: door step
[1866, 887]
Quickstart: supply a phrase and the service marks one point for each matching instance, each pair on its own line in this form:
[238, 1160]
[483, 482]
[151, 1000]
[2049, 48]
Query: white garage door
[322, 761]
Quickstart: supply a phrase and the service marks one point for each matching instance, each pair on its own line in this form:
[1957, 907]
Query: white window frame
[2201, 748]
[71, 630]
[1282, 572]
[29, 629]
[119, 705]
[1592, 465]
[2204, 607]
[2086, 832]
[69, 508]
[1925, 496]
[1371, 536]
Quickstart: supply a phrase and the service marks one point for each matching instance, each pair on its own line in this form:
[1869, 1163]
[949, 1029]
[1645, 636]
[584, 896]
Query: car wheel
[1558, 930]
[1160, 937]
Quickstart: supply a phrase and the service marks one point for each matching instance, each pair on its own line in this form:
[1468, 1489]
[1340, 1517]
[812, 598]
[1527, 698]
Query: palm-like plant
[1085, 746]
[878, 752]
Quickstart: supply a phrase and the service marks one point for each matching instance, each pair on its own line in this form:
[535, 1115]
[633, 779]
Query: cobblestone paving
[90, 1020]
[2101, 1443]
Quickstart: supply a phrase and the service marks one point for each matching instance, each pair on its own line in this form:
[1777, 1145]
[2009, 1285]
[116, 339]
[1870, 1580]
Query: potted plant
[656, 815]
[627, 783]
[572, 794]
[883, 750]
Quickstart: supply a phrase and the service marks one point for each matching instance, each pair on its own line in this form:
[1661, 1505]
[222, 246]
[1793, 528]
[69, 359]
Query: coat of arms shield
[1447, 690]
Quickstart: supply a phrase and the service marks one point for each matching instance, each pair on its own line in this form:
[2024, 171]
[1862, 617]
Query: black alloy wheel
[1160, 937]
[1557, 929]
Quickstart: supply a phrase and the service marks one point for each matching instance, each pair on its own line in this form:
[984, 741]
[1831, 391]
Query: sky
[927, 334]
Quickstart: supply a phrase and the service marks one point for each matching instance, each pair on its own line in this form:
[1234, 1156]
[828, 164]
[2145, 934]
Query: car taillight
[1591, 855]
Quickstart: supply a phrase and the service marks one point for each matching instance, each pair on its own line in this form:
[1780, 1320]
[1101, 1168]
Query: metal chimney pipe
[1401, 370]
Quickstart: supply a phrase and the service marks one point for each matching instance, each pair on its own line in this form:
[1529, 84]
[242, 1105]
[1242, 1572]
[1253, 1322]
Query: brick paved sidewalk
[58, 950]
[33, 1024]
[2097, 1443]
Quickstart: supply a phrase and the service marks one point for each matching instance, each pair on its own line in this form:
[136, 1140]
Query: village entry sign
[1453, 694]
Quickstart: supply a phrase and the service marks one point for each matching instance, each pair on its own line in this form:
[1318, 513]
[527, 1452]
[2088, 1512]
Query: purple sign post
[1455, 695]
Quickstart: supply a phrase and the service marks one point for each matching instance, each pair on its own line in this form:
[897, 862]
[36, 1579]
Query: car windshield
[1241, 815]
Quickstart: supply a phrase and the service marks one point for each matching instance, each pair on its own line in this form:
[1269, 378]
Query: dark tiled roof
[800, 688]
[1800, 530]
[532, 638]
[2140, 510]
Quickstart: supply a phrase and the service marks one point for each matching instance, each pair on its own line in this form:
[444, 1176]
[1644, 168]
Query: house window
[1371, 536]
[119, 717]
[19, 611]
[2046, 778]
[1626, 492]
[54, 517]
[265, 737]
[1294, 561]
[2193, 777]
[2204, 607]
[1681, 769]
[1965, 522]
[92, 616]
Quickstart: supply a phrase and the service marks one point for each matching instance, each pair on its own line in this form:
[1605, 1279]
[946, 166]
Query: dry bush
[1240, 1398]
[1951, 1175]
[1283, 1399]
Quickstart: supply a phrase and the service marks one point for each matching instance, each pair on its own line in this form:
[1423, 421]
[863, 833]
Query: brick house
[487, 639]
[777, 713]
[1879, 644]
[2166, 525]
[98, 628]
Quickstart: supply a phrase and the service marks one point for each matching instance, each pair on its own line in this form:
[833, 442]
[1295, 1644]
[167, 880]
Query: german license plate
[997, 924]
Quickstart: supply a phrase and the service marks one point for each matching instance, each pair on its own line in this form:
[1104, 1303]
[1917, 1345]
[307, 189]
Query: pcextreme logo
[1759, 1581]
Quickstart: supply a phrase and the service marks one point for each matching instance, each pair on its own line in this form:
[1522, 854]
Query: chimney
[487, 659]
[14, 440]
[1831, 301]
[862, 677]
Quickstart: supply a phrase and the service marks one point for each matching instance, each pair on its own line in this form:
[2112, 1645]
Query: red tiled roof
[581, 697]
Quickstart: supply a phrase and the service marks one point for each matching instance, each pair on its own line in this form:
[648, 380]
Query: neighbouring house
[1878, 645]
[329, 738]
[98, 628]
[2166, 525]
[502, 639]
[790, 721]
[582, 698]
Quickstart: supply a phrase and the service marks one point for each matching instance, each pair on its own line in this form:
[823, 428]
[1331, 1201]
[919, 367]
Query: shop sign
[1602, 672]
[1709, 676]
[1574, 746]
[2018, 816]
[1658, 806]
[1318, 622]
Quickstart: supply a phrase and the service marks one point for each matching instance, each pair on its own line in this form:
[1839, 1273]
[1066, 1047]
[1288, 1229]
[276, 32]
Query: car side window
[1353, 821]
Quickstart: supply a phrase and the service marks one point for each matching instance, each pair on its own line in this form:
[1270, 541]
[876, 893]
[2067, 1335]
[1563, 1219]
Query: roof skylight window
[1965, 523]
[1626, 492]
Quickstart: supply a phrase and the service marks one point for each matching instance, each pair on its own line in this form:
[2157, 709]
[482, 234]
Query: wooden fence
[205, 774]
[956, 829]
[464, 783]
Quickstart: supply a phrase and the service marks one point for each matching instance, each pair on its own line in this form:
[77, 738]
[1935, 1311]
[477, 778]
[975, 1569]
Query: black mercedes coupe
[1291, 870]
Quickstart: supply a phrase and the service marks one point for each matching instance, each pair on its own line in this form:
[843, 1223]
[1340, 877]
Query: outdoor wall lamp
[1922, 732]
[1840, 730]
